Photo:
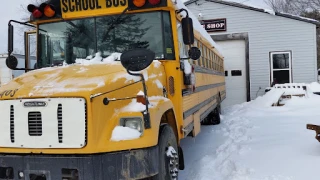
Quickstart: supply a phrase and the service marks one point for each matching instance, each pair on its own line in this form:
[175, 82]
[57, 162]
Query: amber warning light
[44, 9]
[140, 4]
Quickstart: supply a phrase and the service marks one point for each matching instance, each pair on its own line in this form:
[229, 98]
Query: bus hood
[68, 81]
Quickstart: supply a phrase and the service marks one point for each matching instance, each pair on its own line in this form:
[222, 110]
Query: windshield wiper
[113, 25]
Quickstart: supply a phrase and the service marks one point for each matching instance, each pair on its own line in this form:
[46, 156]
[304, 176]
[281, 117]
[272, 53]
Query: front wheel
[168, 154]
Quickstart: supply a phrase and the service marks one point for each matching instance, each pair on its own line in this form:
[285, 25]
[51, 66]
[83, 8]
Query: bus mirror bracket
[187, 28]
[10, 39]
[138, 60]
[188, 35]
[12, 61]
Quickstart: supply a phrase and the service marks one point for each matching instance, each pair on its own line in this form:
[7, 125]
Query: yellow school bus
[116, 86]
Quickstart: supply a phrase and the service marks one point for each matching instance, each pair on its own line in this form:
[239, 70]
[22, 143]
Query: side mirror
[137, 59]
[10, 39]
[194, 53]
[187, 30]
[12, 62]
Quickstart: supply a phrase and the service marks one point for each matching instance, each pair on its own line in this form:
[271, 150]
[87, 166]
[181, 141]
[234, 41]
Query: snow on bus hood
[86, 76]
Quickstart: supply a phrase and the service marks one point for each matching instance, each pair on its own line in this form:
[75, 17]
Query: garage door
[235, 67]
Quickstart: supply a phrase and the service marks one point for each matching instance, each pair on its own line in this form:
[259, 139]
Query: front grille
[59, 114]
[35, 123]
[12, 123]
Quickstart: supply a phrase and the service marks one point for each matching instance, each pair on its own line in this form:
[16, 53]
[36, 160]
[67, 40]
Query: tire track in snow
[236, 128]
[219, 164]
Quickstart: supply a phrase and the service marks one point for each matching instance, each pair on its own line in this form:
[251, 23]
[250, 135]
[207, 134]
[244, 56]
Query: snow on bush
[268, 99]
[120, 133]
[99, 60]
[112, 58]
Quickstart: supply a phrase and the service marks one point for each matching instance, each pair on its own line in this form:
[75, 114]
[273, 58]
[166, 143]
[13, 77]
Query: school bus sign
[76, 8]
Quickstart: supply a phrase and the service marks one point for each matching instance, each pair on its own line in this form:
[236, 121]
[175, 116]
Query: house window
[281, 67]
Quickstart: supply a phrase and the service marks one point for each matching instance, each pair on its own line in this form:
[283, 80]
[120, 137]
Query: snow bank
[297, 88]
[314, 87]
[278, 90]
[294, 91]
[268, 99]
[120, 133]
[303, 102]
[255, 142]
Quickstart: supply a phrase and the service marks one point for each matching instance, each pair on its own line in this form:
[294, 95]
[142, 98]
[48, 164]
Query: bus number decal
[10, 93]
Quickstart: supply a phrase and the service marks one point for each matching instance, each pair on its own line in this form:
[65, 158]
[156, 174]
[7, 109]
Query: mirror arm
[182, 9]
[22, 23]
[26, 24]
[146, 115]
[11, 50]
[187, 16]
[10, 46]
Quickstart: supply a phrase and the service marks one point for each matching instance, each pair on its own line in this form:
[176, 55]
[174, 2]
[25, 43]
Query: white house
[259, 46]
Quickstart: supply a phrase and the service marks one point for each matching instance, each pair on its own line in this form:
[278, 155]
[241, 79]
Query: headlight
[134, 123]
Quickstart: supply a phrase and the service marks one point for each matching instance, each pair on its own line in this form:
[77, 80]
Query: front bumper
[135, 164]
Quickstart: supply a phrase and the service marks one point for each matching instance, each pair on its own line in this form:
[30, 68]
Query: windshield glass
[81, 39]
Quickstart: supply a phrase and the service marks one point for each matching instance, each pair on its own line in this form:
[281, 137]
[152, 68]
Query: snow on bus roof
[197, 26]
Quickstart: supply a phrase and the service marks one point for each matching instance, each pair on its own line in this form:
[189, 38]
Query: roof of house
[239, 5]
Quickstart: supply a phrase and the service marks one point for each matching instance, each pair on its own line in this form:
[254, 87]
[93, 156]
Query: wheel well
[169, 118]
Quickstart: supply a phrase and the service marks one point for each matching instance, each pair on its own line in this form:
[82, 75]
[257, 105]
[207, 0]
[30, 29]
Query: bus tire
[213, 117]
[168, 152]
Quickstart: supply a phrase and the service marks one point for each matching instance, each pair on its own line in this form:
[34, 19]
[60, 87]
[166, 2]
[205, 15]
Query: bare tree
[20, 29]
[295, 7]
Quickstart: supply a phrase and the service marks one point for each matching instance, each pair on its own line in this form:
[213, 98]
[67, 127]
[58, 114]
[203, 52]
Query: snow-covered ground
[257, 142]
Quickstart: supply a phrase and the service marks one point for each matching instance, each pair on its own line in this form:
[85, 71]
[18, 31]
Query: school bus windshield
[77, 39]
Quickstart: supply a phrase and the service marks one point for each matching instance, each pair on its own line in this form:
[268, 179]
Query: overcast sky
[13, 9]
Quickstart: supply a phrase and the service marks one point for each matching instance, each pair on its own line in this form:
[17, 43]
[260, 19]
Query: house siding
[267, 33]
